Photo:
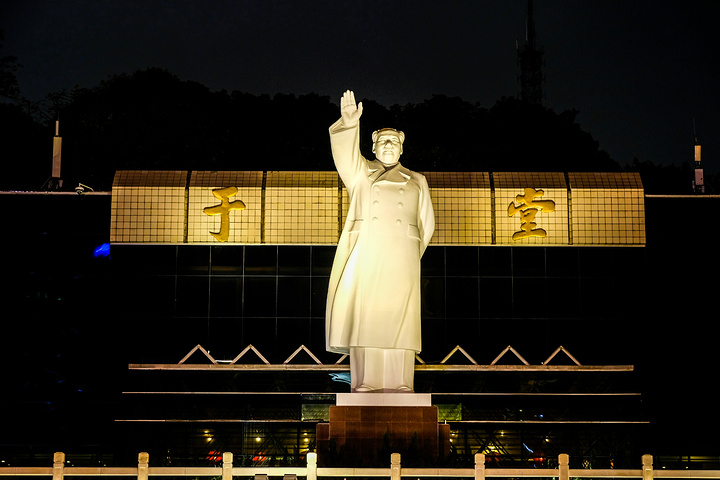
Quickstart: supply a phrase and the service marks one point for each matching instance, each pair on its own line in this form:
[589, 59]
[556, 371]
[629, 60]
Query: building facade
[521, 265]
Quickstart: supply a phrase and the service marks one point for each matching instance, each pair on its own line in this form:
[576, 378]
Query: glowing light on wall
[102, 250]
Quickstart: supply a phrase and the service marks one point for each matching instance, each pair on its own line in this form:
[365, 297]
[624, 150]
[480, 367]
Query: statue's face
[387, 147]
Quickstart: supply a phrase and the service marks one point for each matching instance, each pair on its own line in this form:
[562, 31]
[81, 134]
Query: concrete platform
[384, 399]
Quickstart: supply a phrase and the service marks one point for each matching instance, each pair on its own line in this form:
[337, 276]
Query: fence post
[647, 461]
[143, 460]
[479, 466]
[58, 466]
[227, 466]
[564, 466]
[311, 466]
[394, 466]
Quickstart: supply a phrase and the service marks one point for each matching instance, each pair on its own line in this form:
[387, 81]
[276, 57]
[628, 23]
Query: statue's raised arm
[350, 112]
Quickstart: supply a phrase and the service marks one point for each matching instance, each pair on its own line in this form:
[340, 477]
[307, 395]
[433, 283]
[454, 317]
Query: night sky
[637, 71]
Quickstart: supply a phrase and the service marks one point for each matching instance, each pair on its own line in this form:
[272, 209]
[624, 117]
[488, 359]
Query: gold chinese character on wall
[528, 208]
[224, 209]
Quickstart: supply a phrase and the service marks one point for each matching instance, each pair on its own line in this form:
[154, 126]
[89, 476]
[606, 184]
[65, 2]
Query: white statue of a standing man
[373, 304]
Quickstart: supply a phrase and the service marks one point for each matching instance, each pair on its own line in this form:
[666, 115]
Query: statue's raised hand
[349, 111]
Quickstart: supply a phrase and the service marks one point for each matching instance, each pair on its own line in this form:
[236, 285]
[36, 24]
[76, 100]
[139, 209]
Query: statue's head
[387, 145]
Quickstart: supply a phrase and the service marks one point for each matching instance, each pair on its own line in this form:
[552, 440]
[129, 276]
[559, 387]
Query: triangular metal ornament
[198, 347]
[247, 349]
[458, 349]
[301, 348]
[510, 349]
[558, 350]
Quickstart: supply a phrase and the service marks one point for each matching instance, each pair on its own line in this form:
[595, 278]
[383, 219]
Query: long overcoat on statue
[374, 291]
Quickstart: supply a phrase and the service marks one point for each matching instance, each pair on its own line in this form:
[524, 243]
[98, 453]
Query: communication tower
[530, 62]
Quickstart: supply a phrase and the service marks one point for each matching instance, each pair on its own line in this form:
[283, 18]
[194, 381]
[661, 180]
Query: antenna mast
[530, 62]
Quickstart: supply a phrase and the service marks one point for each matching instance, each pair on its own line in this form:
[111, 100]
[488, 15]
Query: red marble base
[367, 435]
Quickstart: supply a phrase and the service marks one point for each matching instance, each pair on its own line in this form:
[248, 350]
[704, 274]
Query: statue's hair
[377, 133]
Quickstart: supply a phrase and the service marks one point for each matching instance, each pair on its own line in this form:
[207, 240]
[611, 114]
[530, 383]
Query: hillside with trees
[151, 119]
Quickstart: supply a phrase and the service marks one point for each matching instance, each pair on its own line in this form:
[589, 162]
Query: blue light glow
[340, 377]
[102, 251]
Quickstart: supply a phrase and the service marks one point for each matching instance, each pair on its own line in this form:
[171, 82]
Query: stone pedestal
[365, 435]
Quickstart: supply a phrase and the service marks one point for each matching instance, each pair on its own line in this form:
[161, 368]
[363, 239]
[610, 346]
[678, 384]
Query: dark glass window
[595, 261]
[434, 339]
[461, 331]
[562, 261]
[528, 261]
[225, 338]
[194, 329]
[316, 344]
[259, 298]
[464, 289]
[496, 298]
[227, 260]
[529, 297]
[322, 260]
[191, 298]
[294, 260]
[462, 297]
[596, 297]
[261, 260]
[146, 295]
[461, 261]
[293, 297]
[193, 260]
[562, 298]
[144, 260]
[433, 261]
[226, 296]
[631, 259]
[495, 261]
[261, 334]
[433, 297]
[293, 332]
[318, 299]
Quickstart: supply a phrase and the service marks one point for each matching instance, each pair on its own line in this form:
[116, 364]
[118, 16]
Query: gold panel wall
[471, 208]
[301, 207]
[531, 208]
[244, 223]
[148, 207]
[462, 204]
[608, 209]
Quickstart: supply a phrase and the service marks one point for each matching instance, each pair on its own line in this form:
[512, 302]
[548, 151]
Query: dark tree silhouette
[9, 87]
[151, 119]
[26, 150]
[667, 180]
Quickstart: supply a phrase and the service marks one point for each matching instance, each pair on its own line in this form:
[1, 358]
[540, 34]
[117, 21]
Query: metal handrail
[311, 471]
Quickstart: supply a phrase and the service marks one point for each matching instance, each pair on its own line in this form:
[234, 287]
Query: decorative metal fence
[311, 471]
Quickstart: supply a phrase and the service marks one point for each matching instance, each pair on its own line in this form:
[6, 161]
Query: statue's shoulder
[411, 173]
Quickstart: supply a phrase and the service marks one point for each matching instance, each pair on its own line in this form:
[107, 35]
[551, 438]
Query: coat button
[400, 205]
[375, 219]
[398, 221]
[376, 203]
[401, 191]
